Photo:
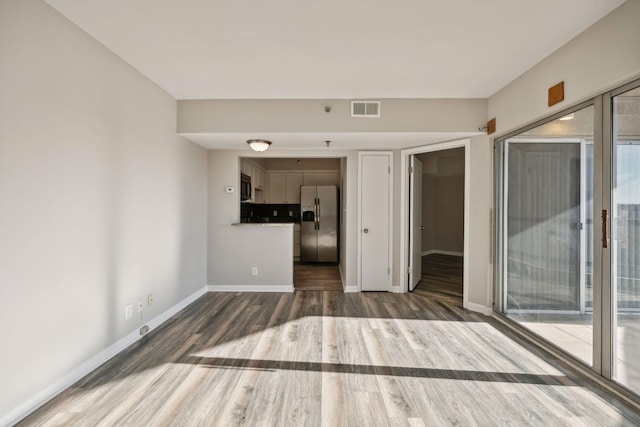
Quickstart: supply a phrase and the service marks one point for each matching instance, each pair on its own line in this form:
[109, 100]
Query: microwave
[245, 187]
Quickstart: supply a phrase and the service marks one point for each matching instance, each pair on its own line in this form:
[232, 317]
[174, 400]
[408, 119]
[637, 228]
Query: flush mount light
[259, 145]
[567, 117]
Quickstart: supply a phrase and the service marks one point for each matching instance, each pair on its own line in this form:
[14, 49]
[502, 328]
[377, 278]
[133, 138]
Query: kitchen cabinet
[294, 181]
[257, 177]
[321, 178]
[245, 167]
[284, 187]
[277, 187]
[258, 181]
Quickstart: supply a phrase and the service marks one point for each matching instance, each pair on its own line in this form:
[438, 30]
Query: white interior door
[375, 214]
[415, 236]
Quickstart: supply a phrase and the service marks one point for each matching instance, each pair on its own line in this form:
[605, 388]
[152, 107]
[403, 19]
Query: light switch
[229, 190]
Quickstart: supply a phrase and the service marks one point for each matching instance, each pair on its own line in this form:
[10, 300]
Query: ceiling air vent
[365, 108]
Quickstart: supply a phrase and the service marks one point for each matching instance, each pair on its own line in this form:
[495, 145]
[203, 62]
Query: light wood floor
[441, 278]
[327, 358]
[316, 277]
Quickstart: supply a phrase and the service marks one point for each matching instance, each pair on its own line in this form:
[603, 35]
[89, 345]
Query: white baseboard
[479, 308]
[39, 399]
[251, 288]
[350, 289]
[438, 251]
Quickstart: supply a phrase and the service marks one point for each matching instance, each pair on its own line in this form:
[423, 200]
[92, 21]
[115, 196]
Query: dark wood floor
[317, 358]
[441, 278]
[316, 277]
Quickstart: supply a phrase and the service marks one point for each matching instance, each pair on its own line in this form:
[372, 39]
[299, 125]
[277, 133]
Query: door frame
[388, 154]
[413, 238]
[404, 209]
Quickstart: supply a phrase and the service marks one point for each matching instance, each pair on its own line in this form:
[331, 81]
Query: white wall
[443, 200]
[101, 203]
[443, 213]
[227, 262]
[308, 115]
[480, 237]
[598, 59]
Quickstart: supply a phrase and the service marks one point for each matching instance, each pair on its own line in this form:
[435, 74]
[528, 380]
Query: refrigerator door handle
[318, 214]
[315, 217]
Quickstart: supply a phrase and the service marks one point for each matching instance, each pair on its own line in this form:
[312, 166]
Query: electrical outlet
[254, 271]
[275, 213]
[150, 300]
[140, 306]
[290, 213]
[128, 312]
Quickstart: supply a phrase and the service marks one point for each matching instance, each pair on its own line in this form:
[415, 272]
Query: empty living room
[333, 214]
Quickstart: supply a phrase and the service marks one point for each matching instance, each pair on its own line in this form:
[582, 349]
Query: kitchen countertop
[266, 224]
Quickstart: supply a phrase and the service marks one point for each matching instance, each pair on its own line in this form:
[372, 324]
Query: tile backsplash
[250, 212]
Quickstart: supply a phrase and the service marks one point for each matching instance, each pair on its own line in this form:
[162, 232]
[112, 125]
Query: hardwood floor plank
[325, 358]
[316, 277]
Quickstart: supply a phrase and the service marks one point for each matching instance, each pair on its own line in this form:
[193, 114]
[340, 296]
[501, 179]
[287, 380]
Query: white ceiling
[294, 49]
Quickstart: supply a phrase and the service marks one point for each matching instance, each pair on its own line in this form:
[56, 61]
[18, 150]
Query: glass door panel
[548, 231]
[625, 229]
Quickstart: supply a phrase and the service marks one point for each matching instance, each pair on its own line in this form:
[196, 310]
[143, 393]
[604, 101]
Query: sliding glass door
[568, 232]
[625, 235]
[547, 205]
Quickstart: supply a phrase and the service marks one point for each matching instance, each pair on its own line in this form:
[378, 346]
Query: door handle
[365, 231]
[422, 227]
[604, 229]
[316, 213]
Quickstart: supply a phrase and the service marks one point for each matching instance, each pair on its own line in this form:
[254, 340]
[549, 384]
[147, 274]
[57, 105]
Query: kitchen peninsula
[264, 257]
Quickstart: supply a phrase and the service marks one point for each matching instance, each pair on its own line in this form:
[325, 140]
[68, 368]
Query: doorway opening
[305, 192]
[435, 221]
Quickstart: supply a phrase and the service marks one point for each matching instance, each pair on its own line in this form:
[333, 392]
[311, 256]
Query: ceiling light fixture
[259, 145]
[567, 117]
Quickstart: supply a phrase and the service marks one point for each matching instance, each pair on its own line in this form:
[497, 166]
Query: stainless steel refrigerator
[319, 223]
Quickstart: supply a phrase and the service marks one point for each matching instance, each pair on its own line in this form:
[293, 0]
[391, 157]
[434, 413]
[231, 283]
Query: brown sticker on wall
[491, 126]
[556, 94]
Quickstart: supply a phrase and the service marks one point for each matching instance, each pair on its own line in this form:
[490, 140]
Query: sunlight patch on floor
[434, 344]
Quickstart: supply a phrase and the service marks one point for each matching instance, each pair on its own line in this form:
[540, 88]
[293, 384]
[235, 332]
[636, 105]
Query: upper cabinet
[294, 181]
[277, 187]
[257, 177]
[245, 166]
[284, 187]
[258, 181]
[321, 178]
